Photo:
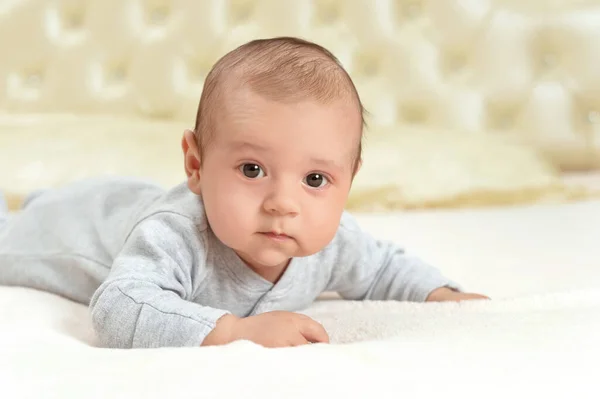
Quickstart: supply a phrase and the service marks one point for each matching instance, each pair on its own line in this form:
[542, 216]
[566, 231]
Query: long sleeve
[367, 268]
[146, 301]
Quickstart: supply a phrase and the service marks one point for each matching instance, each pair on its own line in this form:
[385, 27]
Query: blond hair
[284, 69]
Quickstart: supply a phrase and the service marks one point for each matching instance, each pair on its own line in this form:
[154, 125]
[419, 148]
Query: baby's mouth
[279, 237]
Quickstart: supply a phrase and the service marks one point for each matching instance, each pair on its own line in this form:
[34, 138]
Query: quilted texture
[422, 168]
[506, 66]
[471, 102]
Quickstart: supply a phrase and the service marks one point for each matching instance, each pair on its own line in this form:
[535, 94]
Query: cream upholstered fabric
[420, 168]
[426, 168]
[524, 70]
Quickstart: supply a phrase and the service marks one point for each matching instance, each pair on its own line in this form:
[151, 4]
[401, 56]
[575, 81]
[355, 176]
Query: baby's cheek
[230, 209]
[322, 229]
[238, 209]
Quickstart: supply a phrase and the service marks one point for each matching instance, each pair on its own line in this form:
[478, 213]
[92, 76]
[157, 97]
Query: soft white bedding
[538, 337]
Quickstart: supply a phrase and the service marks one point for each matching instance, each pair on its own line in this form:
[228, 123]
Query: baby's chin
[269, 258]
[273, 258]
[263, 254]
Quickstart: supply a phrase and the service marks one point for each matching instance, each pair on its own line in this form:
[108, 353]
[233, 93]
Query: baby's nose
[280, 203]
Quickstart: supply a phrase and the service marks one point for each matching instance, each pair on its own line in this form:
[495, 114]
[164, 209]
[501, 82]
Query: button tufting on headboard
[527, 68]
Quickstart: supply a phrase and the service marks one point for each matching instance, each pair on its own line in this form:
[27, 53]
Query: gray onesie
[155, 275]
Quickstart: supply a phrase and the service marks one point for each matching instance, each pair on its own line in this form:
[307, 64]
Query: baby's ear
[357, 167]
[191, 159]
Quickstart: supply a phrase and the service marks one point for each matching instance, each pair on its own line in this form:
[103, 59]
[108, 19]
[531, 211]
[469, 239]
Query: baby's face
[276, 177]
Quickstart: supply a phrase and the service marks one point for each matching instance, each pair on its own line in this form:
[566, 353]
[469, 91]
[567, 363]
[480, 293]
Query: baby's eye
[251, 170]
[316, 180]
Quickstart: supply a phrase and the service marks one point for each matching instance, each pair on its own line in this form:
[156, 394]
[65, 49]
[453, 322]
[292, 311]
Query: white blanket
[538, 337]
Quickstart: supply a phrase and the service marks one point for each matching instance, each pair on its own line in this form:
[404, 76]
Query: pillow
[42, 151]
[418, 168]
[428, 168]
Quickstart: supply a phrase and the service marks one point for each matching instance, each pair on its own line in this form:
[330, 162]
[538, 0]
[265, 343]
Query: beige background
[518, 70]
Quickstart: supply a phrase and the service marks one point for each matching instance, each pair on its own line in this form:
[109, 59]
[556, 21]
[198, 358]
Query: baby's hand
[271, 329]
[446, 294]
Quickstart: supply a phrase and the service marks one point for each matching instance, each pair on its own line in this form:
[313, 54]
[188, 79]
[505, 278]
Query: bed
[537, 337]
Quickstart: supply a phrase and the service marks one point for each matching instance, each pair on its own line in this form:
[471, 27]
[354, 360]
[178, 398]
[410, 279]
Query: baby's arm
[367, 268]
[146, 299]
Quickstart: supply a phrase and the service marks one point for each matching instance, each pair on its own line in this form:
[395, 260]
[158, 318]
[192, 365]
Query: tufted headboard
[529, 68]
[526, 70]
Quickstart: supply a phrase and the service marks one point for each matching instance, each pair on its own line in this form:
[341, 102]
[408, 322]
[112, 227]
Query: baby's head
[275, 148]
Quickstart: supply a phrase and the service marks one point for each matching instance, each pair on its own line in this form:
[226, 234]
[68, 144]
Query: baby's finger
[313, 332]
[298, 340]
[475, 296]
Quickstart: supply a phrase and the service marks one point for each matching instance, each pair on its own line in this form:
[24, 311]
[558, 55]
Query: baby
[257, 231]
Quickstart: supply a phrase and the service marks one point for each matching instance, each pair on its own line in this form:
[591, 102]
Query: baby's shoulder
[346, 238]
[349, 224]
[178, 206]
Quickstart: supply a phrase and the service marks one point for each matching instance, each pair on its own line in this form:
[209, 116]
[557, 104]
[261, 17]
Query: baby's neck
[271, 274]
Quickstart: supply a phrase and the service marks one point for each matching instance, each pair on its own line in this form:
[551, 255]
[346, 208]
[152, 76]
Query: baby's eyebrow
[243, 145]
[326, 163]
[320, 162]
